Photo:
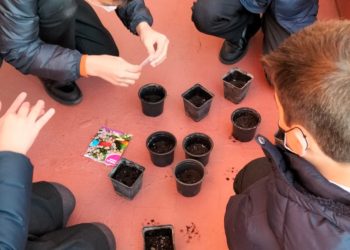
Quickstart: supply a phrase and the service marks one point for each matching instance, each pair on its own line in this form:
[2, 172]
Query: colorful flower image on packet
[108, 146]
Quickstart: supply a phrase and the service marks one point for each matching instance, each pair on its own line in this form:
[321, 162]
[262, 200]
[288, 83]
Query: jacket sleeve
[21, 46]
[15, 191]
[134, 13]
[256, 6]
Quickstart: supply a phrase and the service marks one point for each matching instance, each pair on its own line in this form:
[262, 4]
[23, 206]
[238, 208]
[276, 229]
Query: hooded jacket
[292, 15]
[20, 44]
[294, 207]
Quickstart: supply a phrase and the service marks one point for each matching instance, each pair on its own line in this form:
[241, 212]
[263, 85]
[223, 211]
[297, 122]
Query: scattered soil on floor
[190, 232]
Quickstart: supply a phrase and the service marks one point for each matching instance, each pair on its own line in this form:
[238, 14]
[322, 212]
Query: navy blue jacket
[294, 207]
[292, 15]
[16, 173]
[21, 46]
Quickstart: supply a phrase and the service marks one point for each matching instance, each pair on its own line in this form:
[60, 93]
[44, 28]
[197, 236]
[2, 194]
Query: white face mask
[106, 8]
[109, 8]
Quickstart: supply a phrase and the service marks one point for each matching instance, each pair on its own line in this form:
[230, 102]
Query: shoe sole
[69, 103]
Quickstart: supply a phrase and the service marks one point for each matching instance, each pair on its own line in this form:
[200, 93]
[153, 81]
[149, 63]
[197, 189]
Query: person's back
[304, 202]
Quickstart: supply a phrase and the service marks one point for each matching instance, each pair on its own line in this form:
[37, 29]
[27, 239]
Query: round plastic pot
[197, 102]
[244, 123]
[161, 146]
[152, 98]
[198, 146]
[189, 177]
[236, 85]
[126, 178]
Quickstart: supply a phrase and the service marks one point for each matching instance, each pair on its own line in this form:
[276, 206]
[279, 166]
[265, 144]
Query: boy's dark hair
[311, 76]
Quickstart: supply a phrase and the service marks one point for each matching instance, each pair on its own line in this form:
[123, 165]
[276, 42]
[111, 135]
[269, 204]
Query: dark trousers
[251, 173]
[51, 206]
[74, 24]
[228, 19]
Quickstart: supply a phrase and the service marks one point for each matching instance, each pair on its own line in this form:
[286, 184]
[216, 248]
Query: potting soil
[237, 78]
[159, 239]
[126, 174]
[246, 120]
[197, 148]
[189, 176]
[197, 100]
[152, 97]
[161, 146]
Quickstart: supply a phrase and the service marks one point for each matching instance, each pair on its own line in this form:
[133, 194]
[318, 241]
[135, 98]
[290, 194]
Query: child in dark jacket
[33, 216]
[298, 197]
[61, 41]
[238, 20]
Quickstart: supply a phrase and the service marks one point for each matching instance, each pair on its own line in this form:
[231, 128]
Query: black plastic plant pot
[161, 145]
[189, 177]
[126, 178]
[198, 146]
[158, 237]
[244, 123]
[197, 102]
[236, 85]
[152, 98]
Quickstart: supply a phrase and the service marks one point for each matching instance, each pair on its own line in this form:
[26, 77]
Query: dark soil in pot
[161, 145]
[189, 176]
[159, 239]
[237, 78]
[197, 100]
[153, 97]
[126, 174]
[197, 148]
[246, 120]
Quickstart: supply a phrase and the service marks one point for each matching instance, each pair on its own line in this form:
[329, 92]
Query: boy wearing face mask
[298, 196]
[62, 40]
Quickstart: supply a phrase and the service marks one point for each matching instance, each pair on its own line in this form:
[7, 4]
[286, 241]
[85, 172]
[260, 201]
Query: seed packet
[108, 146]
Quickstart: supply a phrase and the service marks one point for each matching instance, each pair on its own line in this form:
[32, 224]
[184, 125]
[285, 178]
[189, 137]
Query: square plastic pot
[197, 102]
[158, 237]
[126, 178]
[236, 85]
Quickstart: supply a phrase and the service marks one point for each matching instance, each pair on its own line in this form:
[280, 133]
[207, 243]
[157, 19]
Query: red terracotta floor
[193, 57]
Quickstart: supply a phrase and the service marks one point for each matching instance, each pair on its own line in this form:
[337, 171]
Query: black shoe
[233, 51]
[68, 94]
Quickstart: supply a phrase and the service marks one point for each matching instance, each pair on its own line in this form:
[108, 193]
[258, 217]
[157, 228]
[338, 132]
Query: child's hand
[21, 123]
[155, 43]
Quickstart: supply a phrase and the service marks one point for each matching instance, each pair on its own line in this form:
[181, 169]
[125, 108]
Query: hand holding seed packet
[108, 146]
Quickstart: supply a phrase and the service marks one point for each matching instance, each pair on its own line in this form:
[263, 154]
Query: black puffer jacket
[294, 207]
[21, 46]
[16, 173]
